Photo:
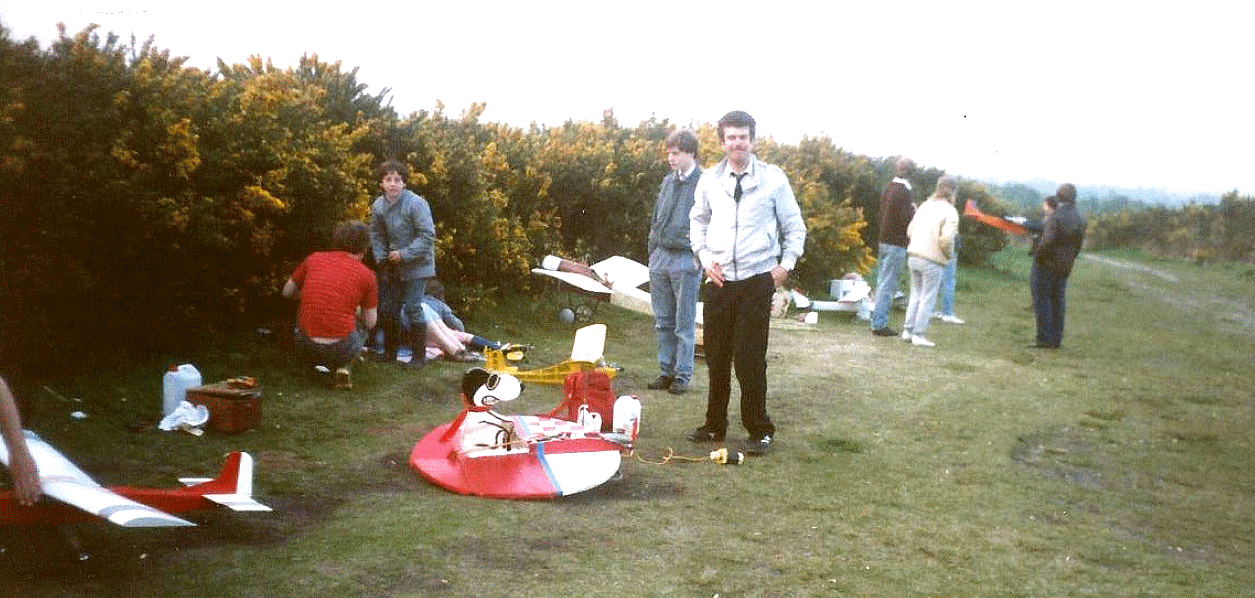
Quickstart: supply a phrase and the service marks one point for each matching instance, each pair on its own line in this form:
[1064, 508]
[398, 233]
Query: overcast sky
[1093, 92]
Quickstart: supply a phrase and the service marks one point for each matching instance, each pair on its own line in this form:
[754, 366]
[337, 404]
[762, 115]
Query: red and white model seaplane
[486, 453]
[78, 497]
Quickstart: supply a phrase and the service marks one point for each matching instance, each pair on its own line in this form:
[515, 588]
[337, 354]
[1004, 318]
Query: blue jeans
[889, 265]
[945, 304]
[1049, 301]
[673, 294]
[396, 295]
[339, 354]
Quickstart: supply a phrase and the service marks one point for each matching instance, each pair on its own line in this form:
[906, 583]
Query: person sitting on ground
[22, 466]
[446, 335]
[454, 345]
[339, 301]
[435, 299]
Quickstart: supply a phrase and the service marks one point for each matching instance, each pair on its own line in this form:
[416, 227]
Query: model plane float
[586, 355]
[78, 497]
[485, 453]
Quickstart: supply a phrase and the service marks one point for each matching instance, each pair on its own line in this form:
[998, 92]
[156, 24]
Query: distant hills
[1037, 188]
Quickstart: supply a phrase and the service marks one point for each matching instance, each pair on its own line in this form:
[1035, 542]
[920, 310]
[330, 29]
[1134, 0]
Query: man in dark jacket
[674, 275]
[1062, 235]
[896, 211]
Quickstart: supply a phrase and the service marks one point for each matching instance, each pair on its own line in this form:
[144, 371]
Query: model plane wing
[579, 281]
[65, 482]
[971, 211]
[622, 272]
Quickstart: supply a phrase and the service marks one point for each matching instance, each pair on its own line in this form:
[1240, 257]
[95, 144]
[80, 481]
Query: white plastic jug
[175, 385]
[627, 415]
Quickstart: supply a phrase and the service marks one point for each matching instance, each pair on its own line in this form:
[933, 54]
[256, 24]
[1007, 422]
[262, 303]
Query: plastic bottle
[627, 416]
[590, 420]
[175, 385]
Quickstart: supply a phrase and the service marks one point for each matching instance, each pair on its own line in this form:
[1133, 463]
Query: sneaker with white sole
[920, 341]
[906, 335]
[759, 446]
[950, 319]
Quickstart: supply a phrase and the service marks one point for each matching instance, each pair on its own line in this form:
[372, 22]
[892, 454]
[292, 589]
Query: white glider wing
[65, 482]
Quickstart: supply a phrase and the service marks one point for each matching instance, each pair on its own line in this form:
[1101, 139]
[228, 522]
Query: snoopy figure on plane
[481, 431]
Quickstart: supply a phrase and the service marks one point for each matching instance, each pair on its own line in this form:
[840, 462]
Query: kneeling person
[339, 299]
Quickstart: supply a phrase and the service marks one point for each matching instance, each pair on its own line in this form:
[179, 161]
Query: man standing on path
[748, 232]
[403, 240]
[674, 276]
[896, 211]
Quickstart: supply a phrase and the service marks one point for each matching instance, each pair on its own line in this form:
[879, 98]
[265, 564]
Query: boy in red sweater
[339, 301]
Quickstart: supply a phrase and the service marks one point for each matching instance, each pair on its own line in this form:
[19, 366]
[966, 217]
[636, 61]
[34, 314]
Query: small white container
[175, 385]
[627, 416]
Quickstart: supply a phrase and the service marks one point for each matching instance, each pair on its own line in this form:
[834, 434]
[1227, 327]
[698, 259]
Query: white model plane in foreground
[78, 497]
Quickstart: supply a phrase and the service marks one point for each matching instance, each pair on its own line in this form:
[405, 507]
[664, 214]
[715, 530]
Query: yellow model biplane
[586, 355]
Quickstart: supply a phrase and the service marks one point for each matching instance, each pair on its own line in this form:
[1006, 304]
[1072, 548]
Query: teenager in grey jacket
[748, 232]
[673, 273]
[403, 240]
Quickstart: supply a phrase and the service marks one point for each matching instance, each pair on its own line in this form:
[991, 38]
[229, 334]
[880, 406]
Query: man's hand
[394, 256]
[778, 274]
[25, 478]
[715, 273]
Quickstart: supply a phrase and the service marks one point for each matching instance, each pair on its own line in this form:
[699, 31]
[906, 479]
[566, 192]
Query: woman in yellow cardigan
[932, 232]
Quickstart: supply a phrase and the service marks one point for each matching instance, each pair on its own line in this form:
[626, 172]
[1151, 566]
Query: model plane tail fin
[590, 343]
[233, 487]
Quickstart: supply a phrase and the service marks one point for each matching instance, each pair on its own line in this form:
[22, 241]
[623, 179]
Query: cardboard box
[234, 405]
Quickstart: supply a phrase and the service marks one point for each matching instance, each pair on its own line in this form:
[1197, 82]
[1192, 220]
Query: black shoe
[660, 383]
[758, 447]
[678, 387]
[886, 331]
[703, 435]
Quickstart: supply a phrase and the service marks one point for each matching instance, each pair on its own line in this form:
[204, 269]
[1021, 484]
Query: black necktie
[736, 195]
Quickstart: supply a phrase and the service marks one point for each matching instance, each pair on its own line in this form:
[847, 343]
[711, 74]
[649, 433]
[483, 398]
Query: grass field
[1120, 465]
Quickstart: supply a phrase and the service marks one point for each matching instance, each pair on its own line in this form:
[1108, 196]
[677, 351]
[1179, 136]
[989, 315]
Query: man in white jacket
[747, 231]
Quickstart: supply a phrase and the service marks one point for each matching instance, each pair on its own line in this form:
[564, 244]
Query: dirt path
[1188, 299]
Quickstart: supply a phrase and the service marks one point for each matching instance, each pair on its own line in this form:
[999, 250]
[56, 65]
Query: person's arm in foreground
[21, 464]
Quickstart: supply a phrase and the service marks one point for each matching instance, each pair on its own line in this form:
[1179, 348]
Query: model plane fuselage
[71, 495]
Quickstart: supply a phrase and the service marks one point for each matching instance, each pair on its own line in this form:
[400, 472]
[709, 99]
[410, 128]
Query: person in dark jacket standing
[674, 275]
[1063, 233]
[896, 211]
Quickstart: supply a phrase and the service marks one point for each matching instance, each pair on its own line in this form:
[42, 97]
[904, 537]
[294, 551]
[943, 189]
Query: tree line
[148, 203]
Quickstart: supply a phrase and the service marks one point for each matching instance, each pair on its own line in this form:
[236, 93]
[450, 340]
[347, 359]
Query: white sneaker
[920, 341]
[949, 319]
[906, 335]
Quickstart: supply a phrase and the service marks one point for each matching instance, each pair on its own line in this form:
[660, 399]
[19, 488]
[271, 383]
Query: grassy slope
[1117, 466]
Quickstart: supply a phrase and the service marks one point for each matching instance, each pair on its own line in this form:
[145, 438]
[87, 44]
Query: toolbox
[234, 405]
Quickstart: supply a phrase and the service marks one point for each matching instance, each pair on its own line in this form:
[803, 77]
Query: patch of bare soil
[1060, 454]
